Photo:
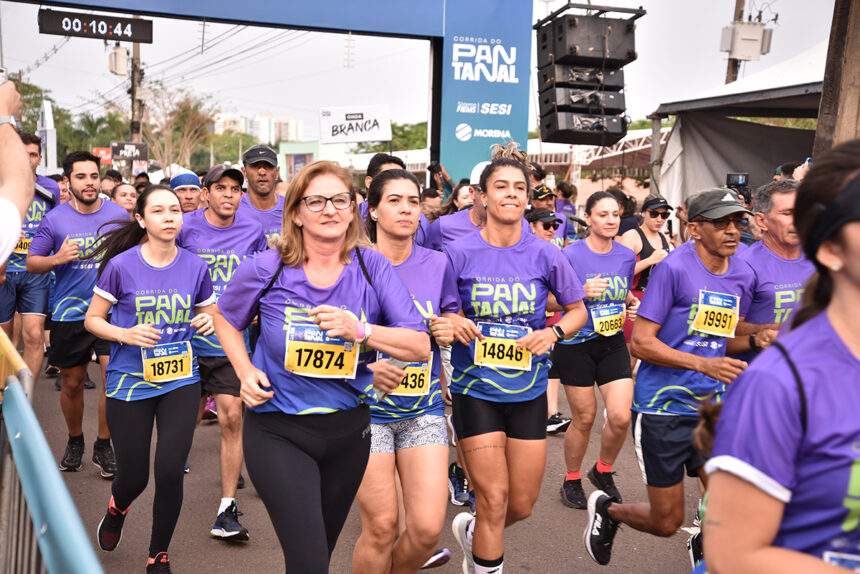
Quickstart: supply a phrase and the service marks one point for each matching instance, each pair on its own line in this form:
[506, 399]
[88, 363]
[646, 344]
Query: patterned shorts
[418, 431]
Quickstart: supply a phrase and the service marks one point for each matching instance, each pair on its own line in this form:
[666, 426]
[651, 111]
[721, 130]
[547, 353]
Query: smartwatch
[753, 345]
[559, 332]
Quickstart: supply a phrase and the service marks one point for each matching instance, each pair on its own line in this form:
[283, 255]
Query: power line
[46, 56]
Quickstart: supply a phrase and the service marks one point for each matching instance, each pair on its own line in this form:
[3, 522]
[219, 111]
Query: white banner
[355, 124]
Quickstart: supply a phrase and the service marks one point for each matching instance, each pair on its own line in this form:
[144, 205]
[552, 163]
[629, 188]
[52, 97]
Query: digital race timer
[95, 26]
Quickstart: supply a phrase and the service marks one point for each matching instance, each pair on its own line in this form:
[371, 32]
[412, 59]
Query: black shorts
[601, 360]
[524, 420]
[217, 376]
[73, 346]
[664, 447]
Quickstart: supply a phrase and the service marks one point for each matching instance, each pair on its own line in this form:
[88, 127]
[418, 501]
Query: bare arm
[740, 343]
[16, 177]
[739, 528]
[255, 384]
[142, 335]
[45, 263]
[552, 305]
[745, 328]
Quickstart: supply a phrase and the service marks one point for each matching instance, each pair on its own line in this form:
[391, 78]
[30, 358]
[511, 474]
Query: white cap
[475, 177]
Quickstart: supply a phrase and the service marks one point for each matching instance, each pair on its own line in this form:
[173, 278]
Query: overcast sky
[294, 73]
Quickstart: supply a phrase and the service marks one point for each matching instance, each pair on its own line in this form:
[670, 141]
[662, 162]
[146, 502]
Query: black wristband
[753, 345]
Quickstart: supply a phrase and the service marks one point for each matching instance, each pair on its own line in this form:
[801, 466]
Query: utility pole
[136, 102]
[734, 65]
[839, 110]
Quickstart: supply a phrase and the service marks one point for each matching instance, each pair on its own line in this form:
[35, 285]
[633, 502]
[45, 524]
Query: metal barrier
[40, 528]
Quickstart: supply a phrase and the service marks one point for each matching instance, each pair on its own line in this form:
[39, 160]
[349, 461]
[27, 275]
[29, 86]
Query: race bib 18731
[608, 319]
[718, 314]
[499, 347]
[311, 353]
[167, 362]
[417, 381]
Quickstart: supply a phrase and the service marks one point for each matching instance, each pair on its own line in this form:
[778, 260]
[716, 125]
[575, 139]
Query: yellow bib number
[23, 245]
[311, 353]
[717, 314]
[417, 381]
[499, 347]
[167, 362]
[608, 319]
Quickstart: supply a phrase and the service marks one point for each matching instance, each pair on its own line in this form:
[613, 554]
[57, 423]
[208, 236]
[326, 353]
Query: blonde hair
[291, 245]
[511, 151]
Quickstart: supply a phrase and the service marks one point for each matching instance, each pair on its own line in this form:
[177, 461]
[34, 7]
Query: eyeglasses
[660, 214]
[547, 225]
[316, 203]
[723, 223]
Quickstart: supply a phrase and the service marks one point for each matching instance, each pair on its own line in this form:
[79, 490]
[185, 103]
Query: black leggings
[131, 424]
[307, 469]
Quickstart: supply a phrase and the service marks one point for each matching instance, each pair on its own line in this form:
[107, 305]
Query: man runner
[267, 207]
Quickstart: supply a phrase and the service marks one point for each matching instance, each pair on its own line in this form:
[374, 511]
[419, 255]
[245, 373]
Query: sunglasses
[660, 214]
[547, 226]
[723, 223]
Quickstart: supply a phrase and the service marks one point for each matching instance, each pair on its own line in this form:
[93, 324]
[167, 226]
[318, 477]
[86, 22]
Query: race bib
[608, 319]
[167, 362]
[717, 314]
[311, 353]
[417, 381]
[499, 347]
[849, 561]
[23, 245]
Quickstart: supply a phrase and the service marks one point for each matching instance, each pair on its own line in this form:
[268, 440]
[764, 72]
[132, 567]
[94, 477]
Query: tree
[176, 123]
[403, 137]
[224, 147]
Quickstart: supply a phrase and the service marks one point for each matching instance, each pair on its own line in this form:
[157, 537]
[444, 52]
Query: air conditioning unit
[118, 61]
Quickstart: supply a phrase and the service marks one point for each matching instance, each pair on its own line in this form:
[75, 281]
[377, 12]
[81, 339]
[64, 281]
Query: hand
[256, 388]
[595, 287]
[658, 256]
[10, 100]
[764, 338]
[724, 369]
[386, 377]
[465, 331]
[67, 252]
[442, 330]
[204, 324]
[334, 322]
[3, 273]
[800, 171]
[633, 309]
[143, 335]
[538, 342]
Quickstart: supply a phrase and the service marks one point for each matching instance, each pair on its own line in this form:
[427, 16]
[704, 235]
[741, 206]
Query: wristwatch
[753, 345]
[12, 120]
[559, 332]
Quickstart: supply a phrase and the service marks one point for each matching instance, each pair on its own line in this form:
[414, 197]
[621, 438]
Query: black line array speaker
[584, 129]
[586, 41]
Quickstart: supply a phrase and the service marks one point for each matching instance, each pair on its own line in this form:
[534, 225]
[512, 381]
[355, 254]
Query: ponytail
[816, 297]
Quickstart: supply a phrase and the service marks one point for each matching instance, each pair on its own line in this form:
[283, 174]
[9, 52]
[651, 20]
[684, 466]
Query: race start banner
[355, 124]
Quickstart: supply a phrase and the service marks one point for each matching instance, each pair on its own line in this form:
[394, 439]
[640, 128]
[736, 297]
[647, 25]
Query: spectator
[16, 177]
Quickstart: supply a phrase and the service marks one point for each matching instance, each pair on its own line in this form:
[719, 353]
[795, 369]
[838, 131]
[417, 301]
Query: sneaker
[697, 515]
[240, 484]
[458, 486]
[72, 457]
[88, 384]
[187, 468]
[557, 423]
[57, 384]
[227, 525]
[460, 527]
[600, 529]
[439, 558]
[604, 481]
[105, 461]
[110, 528]
[572, 494]
[52, 371]
[210, 412]
[694, 549]
[160, 566]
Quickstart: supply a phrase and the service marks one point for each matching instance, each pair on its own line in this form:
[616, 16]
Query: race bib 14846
[499, 347]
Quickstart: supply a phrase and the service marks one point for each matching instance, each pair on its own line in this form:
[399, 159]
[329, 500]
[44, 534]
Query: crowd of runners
[330, 328]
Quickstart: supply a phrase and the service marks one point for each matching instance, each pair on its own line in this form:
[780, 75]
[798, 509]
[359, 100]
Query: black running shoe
[227, 525]
[240, 484]
[160, 566]
[110, 528]
[600, 529]
[694, 549]
[105, 461]
[557, 424]
[72, 458]
[604, 481]
[89, 384]
[572, 494]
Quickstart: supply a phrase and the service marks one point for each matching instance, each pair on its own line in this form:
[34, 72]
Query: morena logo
[464, 133]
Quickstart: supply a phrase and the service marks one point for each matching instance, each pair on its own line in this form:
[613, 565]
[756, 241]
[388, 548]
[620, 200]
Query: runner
[187, 188]
[65, 239]
[409, 438]
[307, 434]
[783, 490]
[565, 206]
[151, 289]
[223, 238]
[682, 333]
[597, 353]
[777, 262]
[125, 196]
[260, 167]
[544, 198]
[499, 381]
[24, 292]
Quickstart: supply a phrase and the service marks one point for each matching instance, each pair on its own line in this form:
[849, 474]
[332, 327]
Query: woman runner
[160, 295]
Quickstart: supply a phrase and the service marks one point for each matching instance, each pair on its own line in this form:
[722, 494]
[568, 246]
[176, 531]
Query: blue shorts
[26, 293]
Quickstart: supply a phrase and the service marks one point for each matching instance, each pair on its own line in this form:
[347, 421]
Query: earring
[373, 216]
[836, 267]
[142, 226]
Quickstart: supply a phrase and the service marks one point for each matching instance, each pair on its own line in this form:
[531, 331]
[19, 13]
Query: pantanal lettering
[221, 266]
[615, 291]
[498, 299]
[852, 500]
[163, 309]
[784, 303]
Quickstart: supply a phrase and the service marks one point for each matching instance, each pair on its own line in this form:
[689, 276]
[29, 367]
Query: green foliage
[225, 147]
[645, 123]
[403, 136]
[796, 123]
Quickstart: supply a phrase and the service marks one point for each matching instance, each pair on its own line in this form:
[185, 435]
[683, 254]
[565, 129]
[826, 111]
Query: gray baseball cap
[714, 204]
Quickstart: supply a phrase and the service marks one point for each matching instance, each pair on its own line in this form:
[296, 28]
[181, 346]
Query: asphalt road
[549, 542]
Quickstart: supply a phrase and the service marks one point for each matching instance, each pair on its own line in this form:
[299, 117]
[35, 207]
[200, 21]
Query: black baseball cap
[542, 192]
[222, 170]
[542, 214]
[714, 204]
[656, 203]
[260, 152]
